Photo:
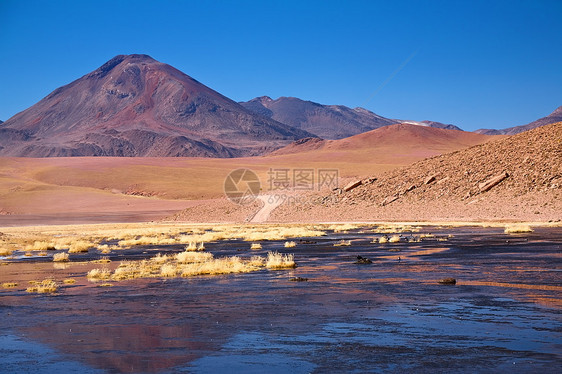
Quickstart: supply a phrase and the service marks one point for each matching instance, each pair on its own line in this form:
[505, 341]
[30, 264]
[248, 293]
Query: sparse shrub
[69, 281]
[277, 260]
[9, 285]
[518, 229]
[255, 246]
[60, 257]
[383, 239]
[290, 244]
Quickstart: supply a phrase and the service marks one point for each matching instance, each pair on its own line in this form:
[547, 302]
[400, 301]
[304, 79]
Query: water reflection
[388, 315]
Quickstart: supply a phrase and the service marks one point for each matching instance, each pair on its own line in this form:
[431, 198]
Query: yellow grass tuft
[69, 281]
[9, 285]
[5, 252]
[99, 274]
[46, 286]
[169, 270]
[60, 257]
[277, 260]
[192, 257]
[102, 260]
[255, 246]
[394, 239]
[342, 243]
[517, 229]
[290, 244]
[160, 259]
[40, 246]
[383, 239]
[80, 246]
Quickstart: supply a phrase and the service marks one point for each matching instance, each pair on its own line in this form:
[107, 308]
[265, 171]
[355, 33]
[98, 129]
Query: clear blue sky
[475, 64]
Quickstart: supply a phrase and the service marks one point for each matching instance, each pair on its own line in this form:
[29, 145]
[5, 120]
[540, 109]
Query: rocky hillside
[513, 178]
[553, 117]
[136, 106]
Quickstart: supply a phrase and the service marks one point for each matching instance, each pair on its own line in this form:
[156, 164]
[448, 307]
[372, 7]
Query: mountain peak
[133, 105]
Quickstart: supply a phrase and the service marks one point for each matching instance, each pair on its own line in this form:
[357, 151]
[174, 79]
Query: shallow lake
[503, 314]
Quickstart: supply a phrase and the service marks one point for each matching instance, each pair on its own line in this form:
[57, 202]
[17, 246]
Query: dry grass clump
[343, 243]
[255, 234]
[46, 286]
[193, 246]
[255, 246]
[159, 239]
[40, 246]
[257, 261]
[394, 239]
[9, 285]
[69, 281]
[345, 227]
[99, 274]
[60, 257]
[102, 260]
[80, 246]
[169, 270]
[277, 260]
[160, 259]
[193, 257]
[5, 252]
[290, 244]
[517, 229]
[215, 266]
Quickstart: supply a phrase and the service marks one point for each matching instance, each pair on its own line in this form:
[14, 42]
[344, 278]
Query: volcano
[134, 105]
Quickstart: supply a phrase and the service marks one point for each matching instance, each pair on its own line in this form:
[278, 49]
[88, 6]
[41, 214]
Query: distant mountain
[553, 117]
[402, 139]
[134, 105]
[325, 121]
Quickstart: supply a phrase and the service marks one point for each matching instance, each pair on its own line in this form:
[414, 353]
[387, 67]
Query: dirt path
[269, 205]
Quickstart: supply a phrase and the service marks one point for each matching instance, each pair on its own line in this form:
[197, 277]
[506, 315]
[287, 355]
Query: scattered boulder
[410, 188]
[352, 185]
[450, 281]
[430, 179]
[363, 260]
[487, 185]
[298, 279]
[389, 200]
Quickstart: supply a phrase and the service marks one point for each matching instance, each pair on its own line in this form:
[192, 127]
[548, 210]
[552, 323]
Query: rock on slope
[553, 117]
[452, 186]
[136, 106]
